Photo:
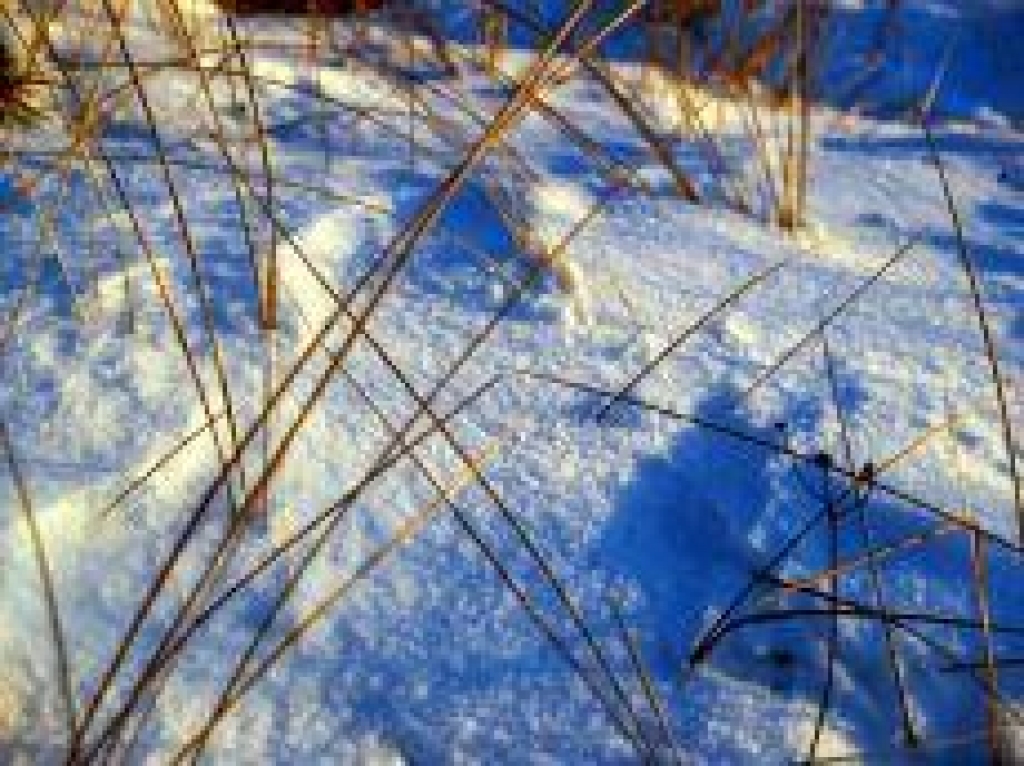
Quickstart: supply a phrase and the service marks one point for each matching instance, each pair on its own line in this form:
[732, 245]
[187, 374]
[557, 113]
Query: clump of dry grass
[761, 59]
[20, 86]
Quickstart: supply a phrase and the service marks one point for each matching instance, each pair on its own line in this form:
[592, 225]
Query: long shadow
[695, 526]
[973, 145]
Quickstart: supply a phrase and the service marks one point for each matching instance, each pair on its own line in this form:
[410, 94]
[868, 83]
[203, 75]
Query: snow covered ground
[659, 514]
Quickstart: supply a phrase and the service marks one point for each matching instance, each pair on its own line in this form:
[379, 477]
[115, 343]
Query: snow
[430, 658]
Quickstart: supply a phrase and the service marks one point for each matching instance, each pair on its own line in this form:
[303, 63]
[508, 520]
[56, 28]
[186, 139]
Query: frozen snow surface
[655, 509]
